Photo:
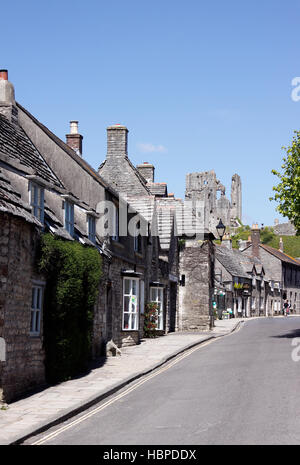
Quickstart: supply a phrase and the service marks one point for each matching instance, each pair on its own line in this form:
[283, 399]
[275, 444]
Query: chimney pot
[3, 74]
[73, 127]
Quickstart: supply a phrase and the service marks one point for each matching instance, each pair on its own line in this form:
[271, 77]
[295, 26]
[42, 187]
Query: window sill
[138, 254]
[35, 335]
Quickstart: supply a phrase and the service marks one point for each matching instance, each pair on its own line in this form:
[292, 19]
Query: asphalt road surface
[240, 389]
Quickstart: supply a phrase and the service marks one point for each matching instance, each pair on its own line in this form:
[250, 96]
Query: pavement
[55, 404]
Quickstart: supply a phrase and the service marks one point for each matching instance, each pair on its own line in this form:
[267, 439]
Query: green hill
[291, 244]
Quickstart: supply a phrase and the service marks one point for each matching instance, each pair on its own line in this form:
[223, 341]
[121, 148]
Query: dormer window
[69, 217]
[37, 201]
[92, 228]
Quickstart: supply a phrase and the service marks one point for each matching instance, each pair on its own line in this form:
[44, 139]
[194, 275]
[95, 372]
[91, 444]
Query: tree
[288, 190]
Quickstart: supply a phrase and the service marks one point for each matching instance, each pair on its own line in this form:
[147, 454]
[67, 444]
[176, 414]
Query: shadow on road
[289, 335]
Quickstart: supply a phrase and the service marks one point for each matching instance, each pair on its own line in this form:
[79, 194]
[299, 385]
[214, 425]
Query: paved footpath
[54, 404]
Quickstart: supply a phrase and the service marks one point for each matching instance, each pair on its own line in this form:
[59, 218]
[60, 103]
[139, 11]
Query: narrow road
[240, 389]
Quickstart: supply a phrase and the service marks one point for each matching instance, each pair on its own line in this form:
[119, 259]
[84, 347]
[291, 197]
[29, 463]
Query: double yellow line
[93, 412]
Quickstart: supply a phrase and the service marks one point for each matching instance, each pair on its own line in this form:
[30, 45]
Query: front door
[172, 310]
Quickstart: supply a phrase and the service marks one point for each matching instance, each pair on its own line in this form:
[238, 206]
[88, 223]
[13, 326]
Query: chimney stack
[7, 98]
[74, 139]
[227, 241]
[147, 171]
[117, 138]
[281, 245]
[255, 240]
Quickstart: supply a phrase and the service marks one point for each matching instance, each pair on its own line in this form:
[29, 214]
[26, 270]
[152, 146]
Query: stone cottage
[136, 185]
[240, 280]
[281, 271]
[47, 186]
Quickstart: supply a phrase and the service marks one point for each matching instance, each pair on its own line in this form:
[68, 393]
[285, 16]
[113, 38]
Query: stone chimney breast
[281, 245]
[147, 171]
[7, 98]
[255, 240]
[117, 141]
[227, 241]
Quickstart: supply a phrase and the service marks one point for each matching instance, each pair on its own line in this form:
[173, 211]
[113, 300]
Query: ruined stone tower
[236, 197]
[207, 195]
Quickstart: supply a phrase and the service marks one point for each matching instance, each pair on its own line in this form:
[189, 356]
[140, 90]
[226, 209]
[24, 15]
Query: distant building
[281, 271]
[284, 229]
[208, 195]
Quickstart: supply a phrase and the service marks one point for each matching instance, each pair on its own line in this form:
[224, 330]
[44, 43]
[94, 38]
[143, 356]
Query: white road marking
[128, 391]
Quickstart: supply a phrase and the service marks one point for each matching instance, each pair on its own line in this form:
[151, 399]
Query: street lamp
[221, 229]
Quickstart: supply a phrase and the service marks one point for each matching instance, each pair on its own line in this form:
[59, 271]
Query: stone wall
[24, 365]
[195, 298]
[147, 171]
[285, 229]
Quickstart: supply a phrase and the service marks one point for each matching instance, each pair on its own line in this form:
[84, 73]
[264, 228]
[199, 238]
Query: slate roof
[15, 144]
[233, 261]
[83, 163]
[282, 256]
[144, 205]
[158, 189]
[135, 171]
[11, 202]
[166, 208]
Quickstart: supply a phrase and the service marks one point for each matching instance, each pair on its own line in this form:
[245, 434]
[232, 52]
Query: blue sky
[200, 85]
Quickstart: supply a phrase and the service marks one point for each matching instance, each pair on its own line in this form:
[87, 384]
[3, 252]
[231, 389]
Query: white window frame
[91, 220]
[69, 217]
[142, 297]
[36, 200]
[37, 294]
[159, 300]
[133, 305]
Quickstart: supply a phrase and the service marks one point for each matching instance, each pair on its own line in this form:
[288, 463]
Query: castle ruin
[210, 202]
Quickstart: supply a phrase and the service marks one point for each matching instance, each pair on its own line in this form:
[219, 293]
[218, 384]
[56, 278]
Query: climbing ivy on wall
[73, 273]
